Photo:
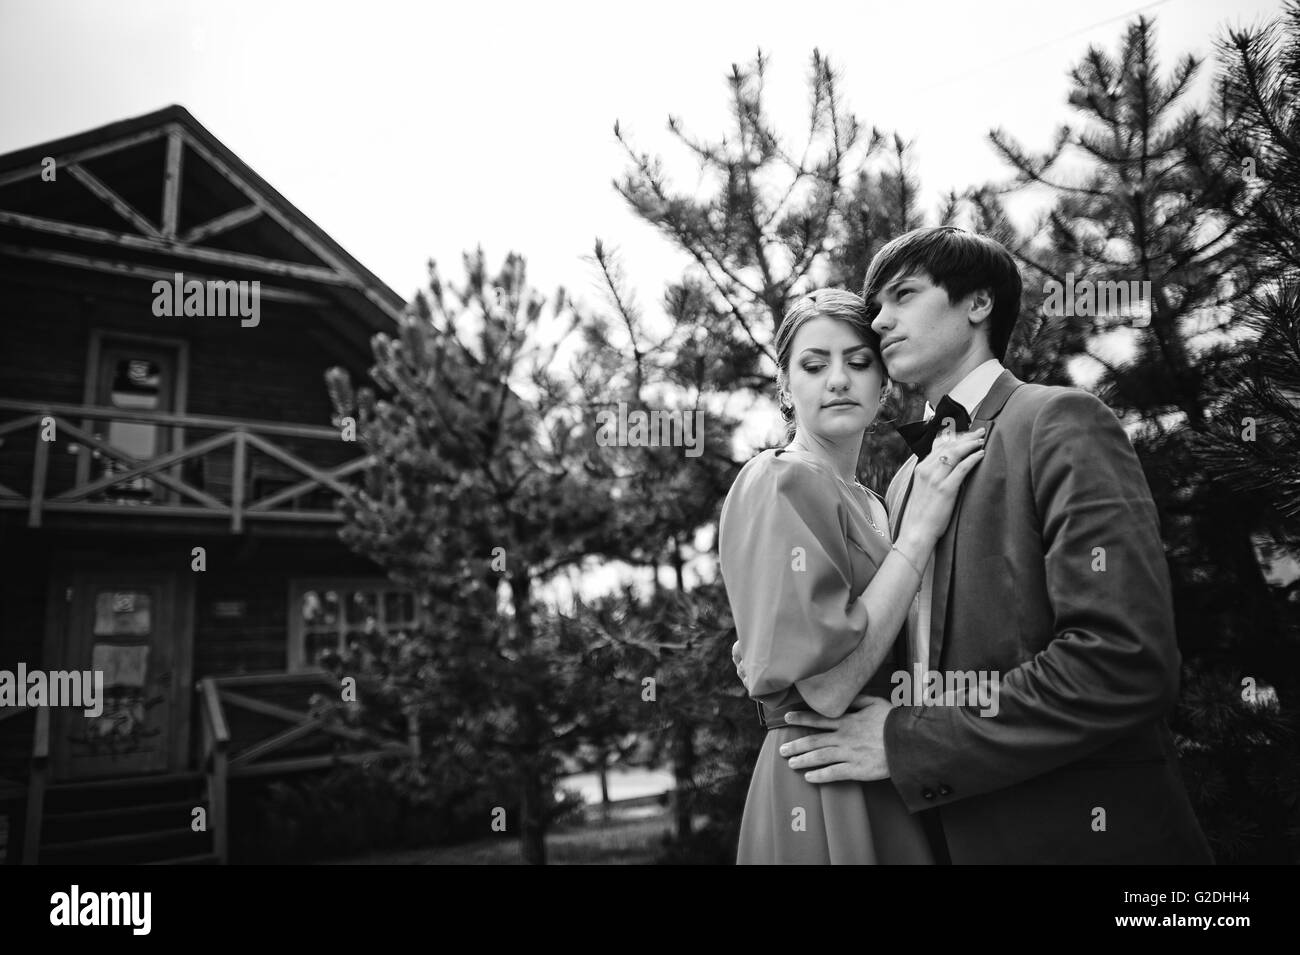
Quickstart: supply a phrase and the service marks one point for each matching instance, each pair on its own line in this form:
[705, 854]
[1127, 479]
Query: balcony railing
[53, 460]
[260, 724]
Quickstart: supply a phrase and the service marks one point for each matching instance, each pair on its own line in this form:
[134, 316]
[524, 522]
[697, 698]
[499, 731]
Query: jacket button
[927, 793]
[944, 789]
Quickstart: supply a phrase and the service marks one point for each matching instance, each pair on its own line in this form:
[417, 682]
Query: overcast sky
[416, 130]
[409, 131]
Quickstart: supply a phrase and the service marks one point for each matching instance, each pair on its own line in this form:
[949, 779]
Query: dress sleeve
[784, 559]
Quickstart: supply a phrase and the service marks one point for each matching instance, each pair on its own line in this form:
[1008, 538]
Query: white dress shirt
[968, 393]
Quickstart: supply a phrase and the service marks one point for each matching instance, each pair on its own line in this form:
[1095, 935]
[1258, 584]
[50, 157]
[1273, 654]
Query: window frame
[296, 656]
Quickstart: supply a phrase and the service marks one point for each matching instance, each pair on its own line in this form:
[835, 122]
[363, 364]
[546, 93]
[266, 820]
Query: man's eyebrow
[823, 351]
[898, 281]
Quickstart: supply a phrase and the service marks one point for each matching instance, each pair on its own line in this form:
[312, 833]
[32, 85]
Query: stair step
[119, 812]
[126, 782]
[115, 842]
[206, 858]
[106, 794]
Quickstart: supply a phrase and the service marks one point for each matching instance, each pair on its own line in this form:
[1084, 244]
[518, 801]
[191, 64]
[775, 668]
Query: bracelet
[920, 573]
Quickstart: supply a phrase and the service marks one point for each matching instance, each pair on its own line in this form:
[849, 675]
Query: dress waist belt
[773, 717]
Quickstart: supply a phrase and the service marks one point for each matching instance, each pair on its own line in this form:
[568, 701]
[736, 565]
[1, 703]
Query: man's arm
[1112, 661]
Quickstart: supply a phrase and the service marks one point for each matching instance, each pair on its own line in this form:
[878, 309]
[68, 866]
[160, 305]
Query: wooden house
[169, 470]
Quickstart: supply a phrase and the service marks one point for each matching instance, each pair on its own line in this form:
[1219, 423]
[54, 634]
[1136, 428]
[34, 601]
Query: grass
[628, 838]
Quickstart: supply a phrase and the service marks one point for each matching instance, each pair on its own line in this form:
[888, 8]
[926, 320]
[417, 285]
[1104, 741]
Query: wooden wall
[253, 572]
[272, 372]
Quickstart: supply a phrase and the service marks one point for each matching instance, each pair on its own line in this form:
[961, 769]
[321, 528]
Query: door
[139, 377]
[131, 628]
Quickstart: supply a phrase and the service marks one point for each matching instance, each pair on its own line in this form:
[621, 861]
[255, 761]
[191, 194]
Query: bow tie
[920, 435]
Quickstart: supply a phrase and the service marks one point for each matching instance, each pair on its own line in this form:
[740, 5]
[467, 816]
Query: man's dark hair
[959, 262]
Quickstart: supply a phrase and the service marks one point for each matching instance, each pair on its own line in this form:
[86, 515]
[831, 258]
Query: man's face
[922, 334]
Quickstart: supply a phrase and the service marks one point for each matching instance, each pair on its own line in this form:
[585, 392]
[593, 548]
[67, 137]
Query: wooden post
[216, 741]
[237, 484]
[172, 184]
[119, 205]
[36, 787]
[217, 796]
[40, 465]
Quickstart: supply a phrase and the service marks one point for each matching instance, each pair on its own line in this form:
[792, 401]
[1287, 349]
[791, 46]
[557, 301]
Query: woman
[812, 575]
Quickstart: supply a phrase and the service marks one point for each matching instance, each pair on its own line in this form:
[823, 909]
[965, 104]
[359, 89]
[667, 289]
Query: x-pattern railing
[219, 696]
[242, 436]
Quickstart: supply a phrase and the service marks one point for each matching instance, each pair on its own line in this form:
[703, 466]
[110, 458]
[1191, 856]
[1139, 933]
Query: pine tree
[1248, 770]
[1259, 88]
[488, 483]
[773, 214]
[1150, 199]
[773, 222]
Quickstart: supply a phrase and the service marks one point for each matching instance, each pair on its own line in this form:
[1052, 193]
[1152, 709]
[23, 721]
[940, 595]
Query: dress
[797, 548]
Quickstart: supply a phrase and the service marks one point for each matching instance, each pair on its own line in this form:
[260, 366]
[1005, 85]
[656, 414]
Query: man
[1051, 578]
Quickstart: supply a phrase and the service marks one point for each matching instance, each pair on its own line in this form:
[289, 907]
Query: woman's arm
[785, 559]
[890, 592]
[887, 599]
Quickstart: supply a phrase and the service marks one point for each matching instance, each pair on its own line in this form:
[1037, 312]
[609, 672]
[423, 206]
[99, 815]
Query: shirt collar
[972, 389]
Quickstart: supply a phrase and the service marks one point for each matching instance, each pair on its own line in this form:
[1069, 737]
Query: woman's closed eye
[858, 365]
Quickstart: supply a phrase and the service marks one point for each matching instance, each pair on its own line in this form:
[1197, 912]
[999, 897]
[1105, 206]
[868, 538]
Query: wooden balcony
[57, 460]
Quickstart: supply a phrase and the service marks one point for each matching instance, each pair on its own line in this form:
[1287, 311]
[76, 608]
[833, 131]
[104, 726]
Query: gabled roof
[159, 192]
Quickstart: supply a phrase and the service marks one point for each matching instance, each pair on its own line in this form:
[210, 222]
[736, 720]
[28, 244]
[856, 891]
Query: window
[326, 614]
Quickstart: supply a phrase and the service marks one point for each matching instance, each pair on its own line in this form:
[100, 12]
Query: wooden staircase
[137, 820]
[148, 819]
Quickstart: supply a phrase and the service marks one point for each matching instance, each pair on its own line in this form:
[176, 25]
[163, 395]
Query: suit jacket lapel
[896, 498]
[900, 489]
[940, 596]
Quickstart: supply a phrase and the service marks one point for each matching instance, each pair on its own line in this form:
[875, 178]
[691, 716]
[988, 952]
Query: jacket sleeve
[1111, 662]
[785, 561]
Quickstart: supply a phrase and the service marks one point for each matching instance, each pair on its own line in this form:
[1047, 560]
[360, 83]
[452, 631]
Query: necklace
[866, 510]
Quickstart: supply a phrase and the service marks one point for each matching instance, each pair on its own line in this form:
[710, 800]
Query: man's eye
[902, 292]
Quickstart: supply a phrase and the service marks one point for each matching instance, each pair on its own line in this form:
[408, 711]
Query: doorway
[135, 629]
[139, 374]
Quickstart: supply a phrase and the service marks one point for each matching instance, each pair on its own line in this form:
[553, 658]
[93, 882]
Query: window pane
[122, 665]
[329, 609]
[363, 609]
[320, 609]
[399, 610]
[137, 383]
[314, 644]
[123, 613]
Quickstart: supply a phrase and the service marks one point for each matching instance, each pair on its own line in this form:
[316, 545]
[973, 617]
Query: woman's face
[835, 379]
